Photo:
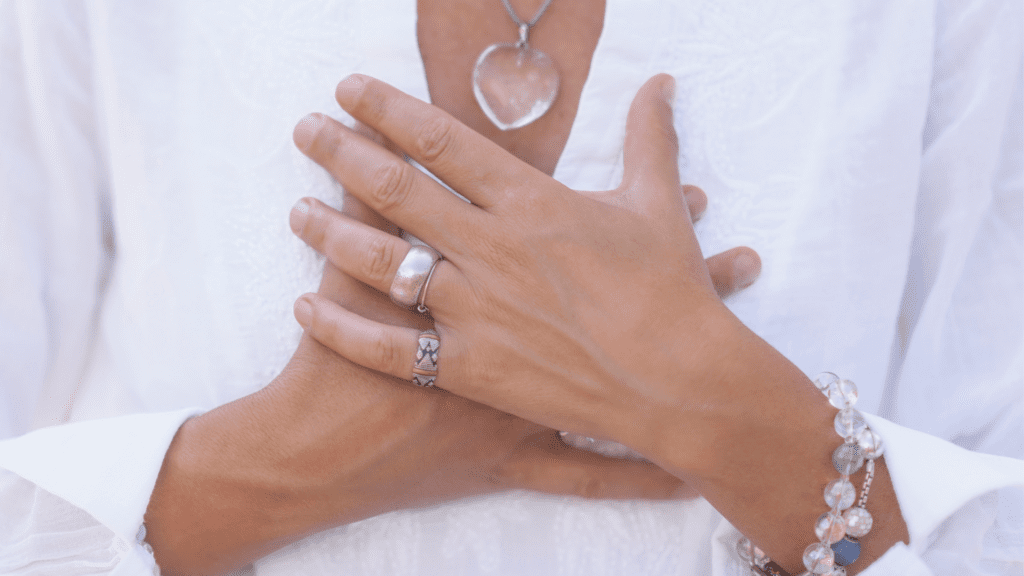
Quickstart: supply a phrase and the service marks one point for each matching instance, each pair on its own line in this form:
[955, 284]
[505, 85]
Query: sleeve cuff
[107, 467]
[934, 478]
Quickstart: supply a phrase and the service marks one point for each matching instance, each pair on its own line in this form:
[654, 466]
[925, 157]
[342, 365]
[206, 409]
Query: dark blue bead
[846, 550]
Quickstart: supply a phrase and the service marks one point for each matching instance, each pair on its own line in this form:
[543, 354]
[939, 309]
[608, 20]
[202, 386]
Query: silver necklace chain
[533, 21]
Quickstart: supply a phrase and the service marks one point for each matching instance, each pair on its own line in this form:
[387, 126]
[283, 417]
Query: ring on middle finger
[412, 274]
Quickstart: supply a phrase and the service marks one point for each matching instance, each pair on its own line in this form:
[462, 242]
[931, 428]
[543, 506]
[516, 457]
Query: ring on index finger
[414, 271]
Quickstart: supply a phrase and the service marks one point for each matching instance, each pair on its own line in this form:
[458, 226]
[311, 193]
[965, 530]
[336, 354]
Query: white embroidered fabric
[870, 151]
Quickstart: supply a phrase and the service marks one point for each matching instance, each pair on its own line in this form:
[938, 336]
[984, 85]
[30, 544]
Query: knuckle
[379, 259]
[390, 185]
[387, 356]
[436, 139]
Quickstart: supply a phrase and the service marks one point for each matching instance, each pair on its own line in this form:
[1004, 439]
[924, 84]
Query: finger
[696, 201]
[363, 252]
[548, 465]
[387, 184]
[651, 152]
[734, 270]
[370, 255]
[355, 208]
[471, 164]
[381, 347]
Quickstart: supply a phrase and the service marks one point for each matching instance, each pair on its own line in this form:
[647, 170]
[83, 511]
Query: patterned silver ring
[412, 273]
[424, 372]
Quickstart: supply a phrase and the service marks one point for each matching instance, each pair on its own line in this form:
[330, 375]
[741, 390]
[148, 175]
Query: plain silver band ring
[421, 305]
[424, 371]
[411, 274]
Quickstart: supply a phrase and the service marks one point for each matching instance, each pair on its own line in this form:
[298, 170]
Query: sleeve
[956, 382]
[953, 405]
[71, 497]
[55, 247]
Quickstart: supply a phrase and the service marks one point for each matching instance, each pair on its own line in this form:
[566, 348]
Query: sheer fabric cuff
[80, 491]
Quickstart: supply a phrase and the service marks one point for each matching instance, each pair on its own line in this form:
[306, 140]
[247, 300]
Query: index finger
[471, 164]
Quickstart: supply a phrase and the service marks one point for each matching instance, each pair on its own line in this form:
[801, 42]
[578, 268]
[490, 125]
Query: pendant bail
[524, 33]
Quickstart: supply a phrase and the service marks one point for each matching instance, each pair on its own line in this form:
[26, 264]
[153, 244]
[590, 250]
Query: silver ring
[421, 300]
[424, 371]
[411, 274]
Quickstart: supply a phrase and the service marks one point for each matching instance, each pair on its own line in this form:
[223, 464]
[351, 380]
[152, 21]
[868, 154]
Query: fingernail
[299, 215]
[307, 129]
[349, 88]
[747, 268]
[304, 312]
[668, 90]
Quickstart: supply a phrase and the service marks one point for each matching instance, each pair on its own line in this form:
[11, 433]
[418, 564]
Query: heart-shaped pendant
[514, 84]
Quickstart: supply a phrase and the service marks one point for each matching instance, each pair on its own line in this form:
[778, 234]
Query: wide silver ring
[424, 371]
[412, 274]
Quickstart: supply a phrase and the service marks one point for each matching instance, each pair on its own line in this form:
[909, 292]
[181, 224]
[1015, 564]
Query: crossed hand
[550, 303]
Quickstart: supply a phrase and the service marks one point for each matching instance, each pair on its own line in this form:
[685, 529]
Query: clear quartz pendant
[515, 84]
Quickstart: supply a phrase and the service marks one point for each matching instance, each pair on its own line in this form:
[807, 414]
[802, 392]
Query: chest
[452, 34]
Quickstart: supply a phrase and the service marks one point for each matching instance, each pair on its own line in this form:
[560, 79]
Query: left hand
[573, 310]
[582, 312]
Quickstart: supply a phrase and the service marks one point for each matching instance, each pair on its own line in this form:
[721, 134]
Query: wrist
[757, 440]
[255, 474]
[732, 387]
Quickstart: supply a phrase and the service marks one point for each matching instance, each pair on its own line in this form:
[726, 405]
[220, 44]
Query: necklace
[513, 83]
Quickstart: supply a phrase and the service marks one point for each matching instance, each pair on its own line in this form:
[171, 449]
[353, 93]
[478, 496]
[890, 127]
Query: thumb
[548, 465]
[651, 152]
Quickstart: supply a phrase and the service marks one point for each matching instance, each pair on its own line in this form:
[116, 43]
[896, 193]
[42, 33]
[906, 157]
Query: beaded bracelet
[840, 528]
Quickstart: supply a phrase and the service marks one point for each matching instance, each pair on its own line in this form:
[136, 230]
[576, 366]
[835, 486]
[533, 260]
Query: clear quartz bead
[858, 521]
[825, 380]
[818, 558]
[830, 527]
[842, 394]
[870, 444]
[840, 494]
[760, 558]
[745, 550]
[847, 459]
[850, 423]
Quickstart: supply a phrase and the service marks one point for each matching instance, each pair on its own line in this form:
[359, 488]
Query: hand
[588, 312]
[527, 256]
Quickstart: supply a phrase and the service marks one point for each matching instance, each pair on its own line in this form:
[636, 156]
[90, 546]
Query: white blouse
[870, 151]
